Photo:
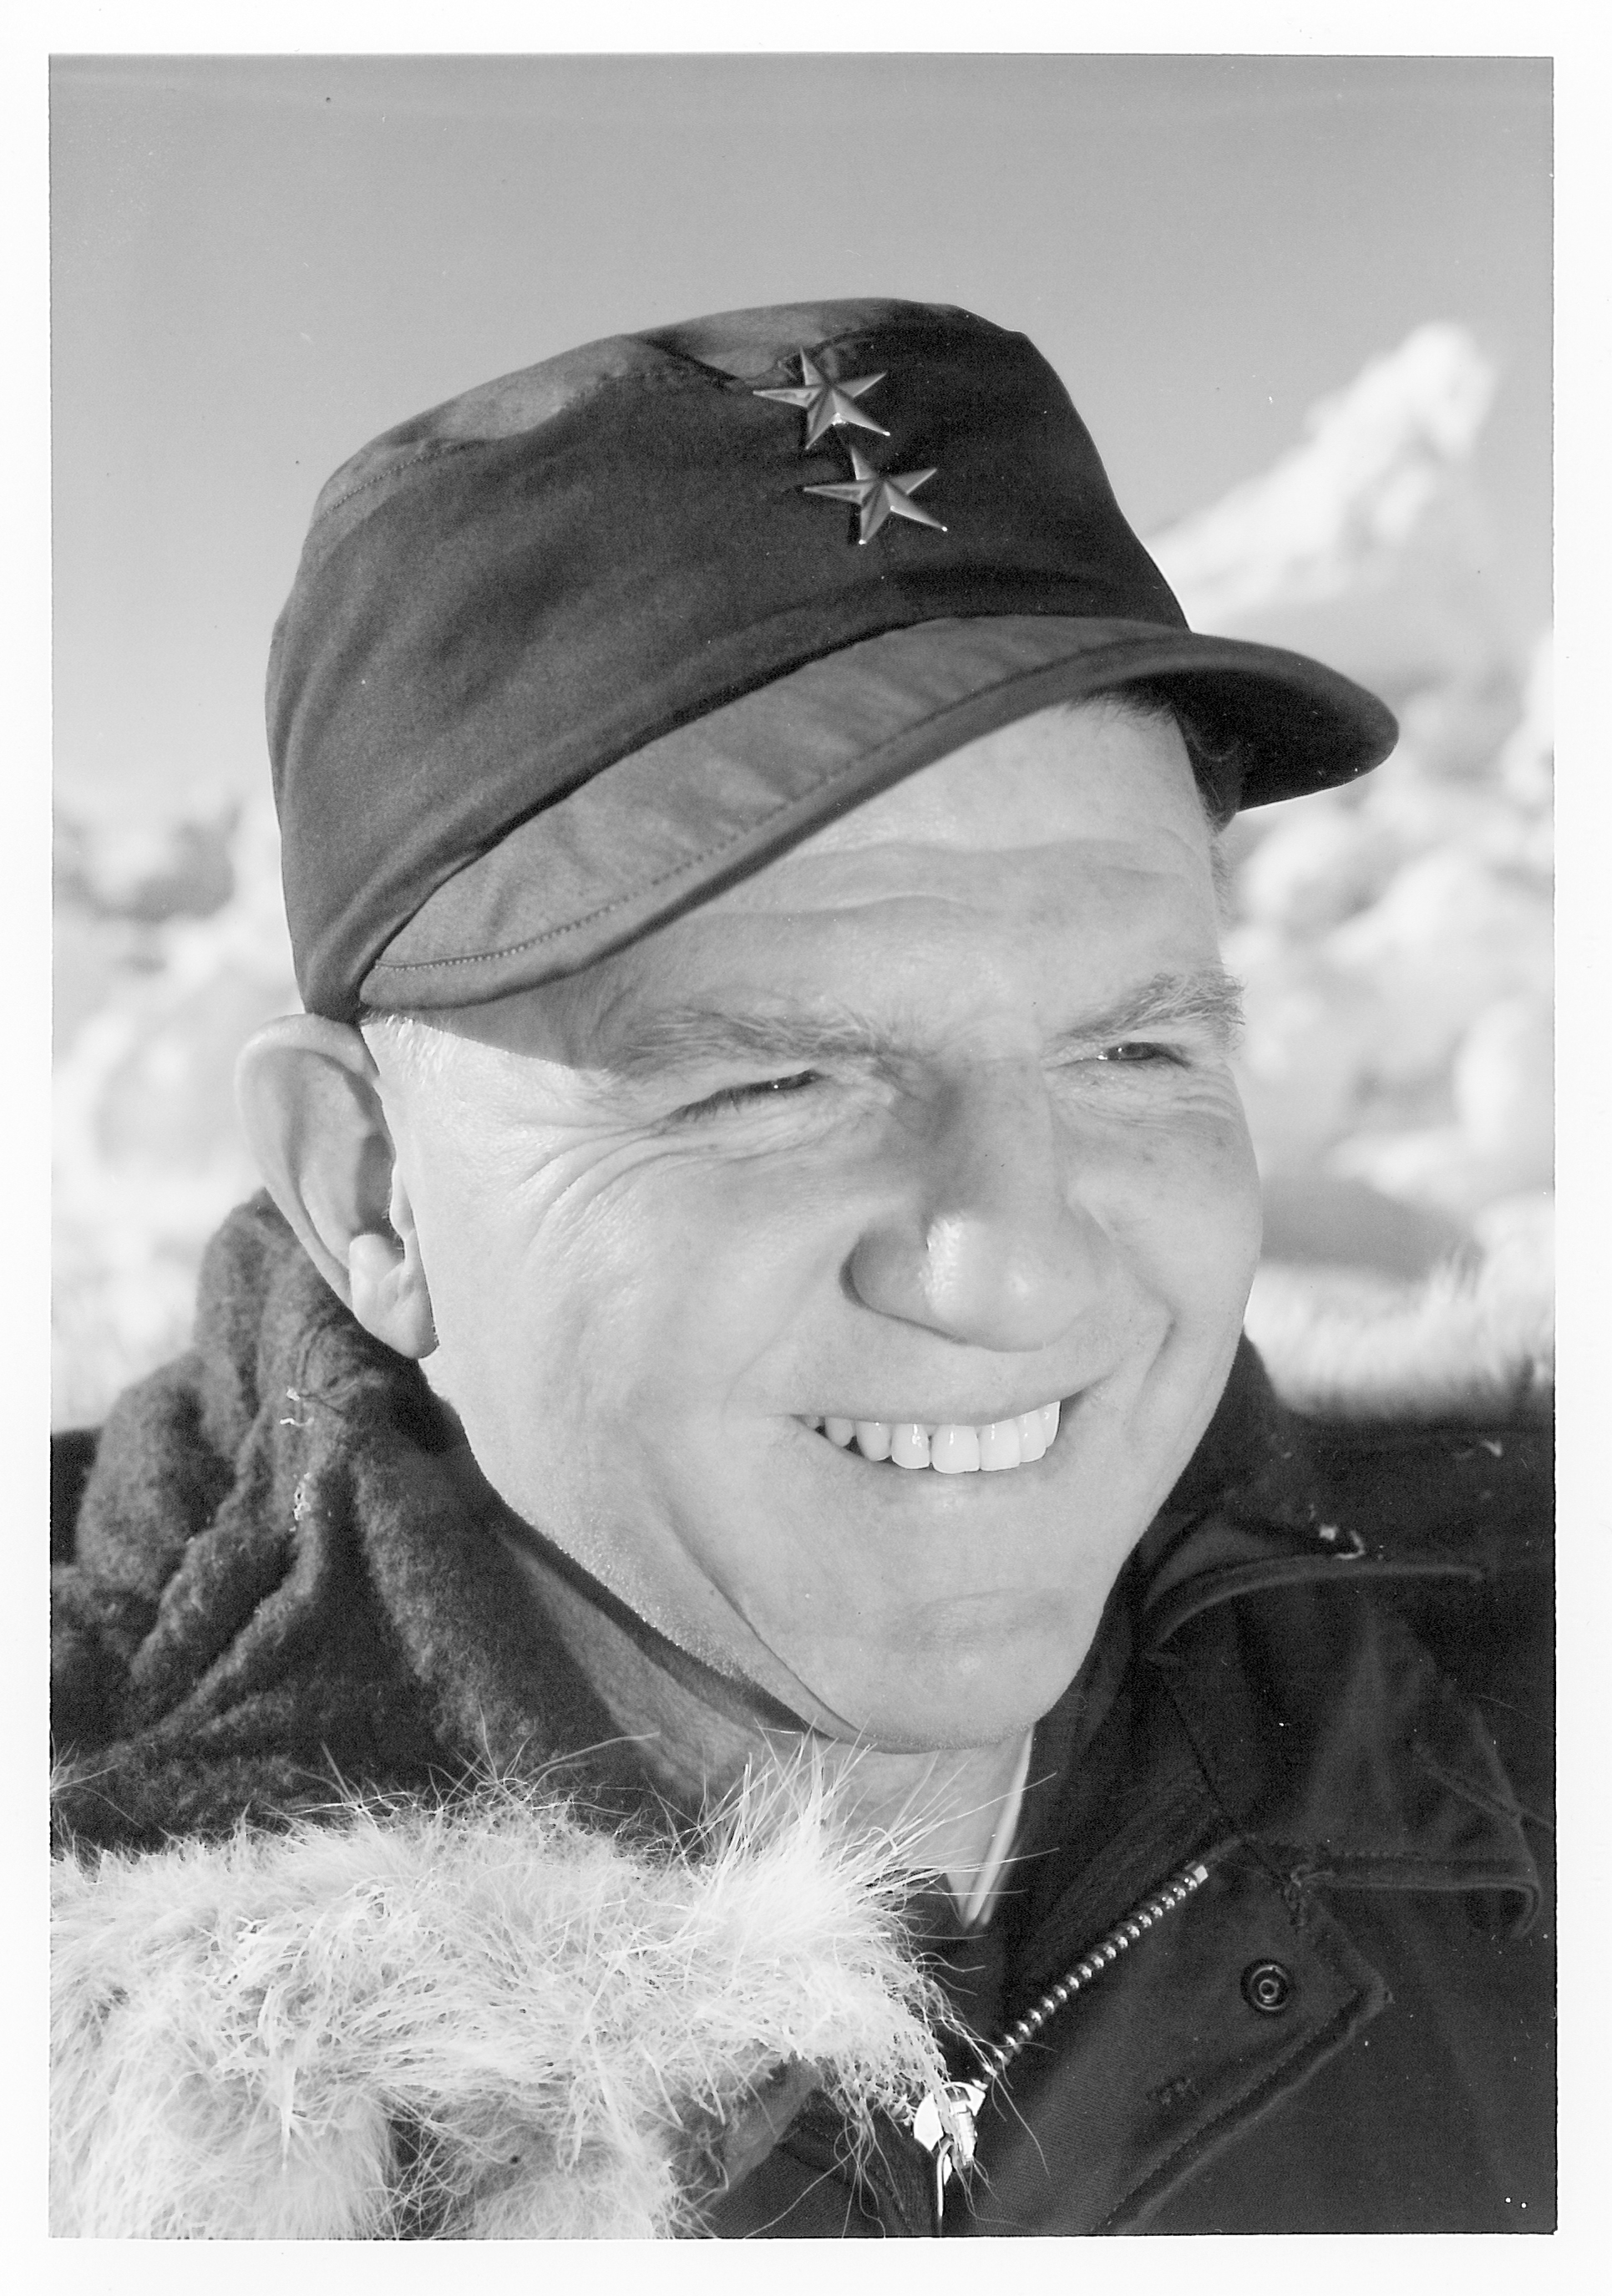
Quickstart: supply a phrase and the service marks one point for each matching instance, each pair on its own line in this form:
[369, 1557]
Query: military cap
[568, 653]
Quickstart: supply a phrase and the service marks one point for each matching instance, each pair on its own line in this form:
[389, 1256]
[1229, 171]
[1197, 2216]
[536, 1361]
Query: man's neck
[942, 1807]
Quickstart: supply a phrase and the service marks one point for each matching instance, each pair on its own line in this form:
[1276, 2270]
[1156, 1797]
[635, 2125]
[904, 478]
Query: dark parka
[1322, 1689]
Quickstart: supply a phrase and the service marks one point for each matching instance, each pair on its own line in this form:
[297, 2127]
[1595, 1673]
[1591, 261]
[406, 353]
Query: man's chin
[972, 1686]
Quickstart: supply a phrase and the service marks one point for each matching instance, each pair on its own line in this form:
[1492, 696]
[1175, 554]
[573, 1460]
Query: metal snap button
[1267, 1986]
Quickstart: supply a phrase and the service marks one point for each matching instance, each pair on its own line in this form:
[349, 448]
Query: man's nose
[985, 1245]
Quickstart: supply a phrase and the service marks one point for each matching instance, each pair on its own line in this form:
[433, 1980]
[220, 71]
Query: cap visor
[663, 829]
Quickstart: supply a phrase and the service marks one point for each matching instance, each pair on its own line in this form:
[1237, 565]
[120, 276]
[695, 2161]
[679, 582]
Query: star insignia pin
[825, 403]
[877, 497]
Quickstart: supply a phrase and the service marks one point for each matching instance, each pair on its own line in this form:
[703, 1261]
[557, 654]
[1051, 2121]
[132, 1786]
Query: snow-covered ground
[1395, 938]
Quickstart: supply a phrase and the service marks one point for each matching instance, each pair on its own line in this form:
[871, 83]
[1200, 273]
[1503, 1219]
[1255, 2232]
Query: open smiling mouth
[949, 1448]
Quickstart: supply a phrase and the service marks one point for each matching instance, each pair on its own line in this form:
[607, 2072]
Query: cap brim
[665, 828]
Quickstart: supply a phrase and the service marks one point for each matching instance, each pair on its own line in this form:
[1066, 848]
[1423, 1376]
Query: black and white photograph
[802, 1143]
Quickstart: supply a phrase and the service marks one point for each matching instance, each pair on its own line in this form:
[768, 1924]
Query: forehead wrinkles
[854, 978]
[981, 876]
[927, 926]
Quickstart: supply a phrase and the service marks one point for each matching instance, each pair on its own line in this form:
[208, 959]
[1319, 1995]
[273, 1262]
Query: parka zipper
[944, 2123]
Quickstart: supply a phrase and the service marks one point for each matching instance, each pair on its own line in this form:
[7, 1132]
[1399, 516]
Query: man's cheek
[724, 1256]
[1225, 1178]
[1189, 1245]
[1198, 1186]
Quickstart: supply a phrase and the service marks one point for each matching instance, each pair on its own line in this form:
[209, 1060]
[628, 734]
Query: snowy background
[1395, 938]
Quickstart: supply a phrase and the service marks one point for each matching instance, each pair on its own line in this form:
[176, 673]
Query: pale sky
[260, 263]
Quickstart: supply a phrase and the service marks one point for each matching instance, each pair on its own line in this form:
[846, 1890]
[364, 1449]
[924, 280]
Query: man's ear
[309, 1096]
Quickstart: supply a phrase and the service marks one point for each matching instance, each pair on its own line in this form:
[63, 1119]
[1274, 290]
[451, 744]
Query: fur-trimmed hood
[484, 2022]
[1469, 1342]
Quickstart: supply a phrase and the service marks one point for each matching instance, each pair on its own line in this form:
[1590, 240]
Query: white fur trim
[1468, 1343]
[239, 2030]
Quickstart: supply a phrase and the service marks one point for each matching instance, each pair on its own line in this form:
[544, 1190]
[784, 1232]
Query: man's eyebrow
[1207, 997]
[682, 1037]
[679, 1037]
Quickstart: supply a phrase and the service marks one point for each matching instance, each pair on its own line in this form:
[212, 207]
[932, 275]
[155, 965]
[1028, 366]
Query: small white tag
[944, 2123]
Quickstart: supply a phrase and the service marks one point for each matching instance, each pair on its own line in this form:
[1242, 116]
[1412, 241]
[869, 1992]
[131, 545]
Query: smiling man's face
[923, 1129]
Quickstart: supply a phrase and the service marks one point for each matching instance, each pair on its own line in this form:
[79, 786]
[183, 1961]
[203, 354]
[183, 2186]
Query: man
[761, 1225]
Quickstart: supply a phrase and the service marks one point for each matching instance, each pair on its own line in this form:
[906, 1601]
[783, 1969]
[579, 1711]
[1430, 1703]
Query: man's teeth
[950, 1447]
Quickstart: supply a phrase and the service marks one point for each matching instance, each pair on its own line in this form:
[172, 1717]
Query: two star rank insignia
[874, 494]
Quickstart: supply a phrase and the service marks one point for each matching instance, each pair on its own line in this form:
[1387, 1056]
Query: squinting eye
[740, 1095]
[1139, 1050]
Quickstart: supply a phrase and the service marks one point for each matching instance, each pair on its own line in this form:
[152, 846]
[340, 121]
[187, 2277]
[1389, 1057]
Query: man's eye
[1139, 1049]
[746, 1096]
